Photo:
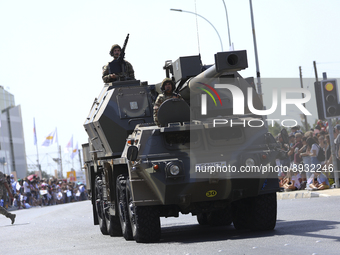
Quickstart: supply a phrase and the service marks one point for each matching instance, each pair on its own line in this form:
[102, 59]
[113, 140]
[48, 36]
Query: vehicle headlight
[174, 170]
[250, 162]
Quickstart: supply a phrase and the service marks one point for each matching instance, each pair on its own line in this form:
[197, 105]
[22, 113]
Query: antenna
[198, 38]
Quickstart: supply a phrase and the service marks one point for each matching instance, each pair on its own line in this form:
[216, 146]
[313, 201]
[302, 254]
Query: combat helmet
[168, 80]
[113, 47]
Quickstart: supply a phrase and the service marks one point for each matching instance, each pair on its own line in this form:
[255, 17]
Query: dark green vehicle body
[128, 158]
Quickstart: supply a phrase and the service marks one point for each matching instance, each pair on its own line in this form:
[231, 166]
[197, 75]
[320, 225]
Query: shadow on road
[10, 225]
[197, 233]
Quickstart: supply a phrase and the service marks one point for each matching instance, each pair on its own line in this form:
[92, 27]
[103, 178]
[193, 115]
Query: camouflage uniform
[129, 72]
[162, 98]
[3, 211]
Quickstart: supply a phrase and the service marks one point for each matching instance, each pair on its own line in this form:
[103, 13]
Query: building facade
[12, 143]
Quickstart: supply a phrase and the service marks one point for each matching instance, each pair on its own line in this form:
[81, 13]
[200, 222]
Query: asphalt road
[304, 226]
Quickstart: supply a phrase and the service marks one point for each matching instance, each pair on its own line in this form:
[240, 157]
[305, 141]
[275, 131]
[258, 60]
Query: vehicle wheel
[220, 217]
[123, 208]
[100, 206]
[112, 222]
[145, 223]
[202, 219]
[240, 214]
[263, 212]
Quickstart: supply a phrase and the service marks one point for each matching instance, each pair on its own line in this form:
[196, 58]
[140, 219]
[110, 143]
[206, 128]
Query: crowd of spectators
[308, 158]
[33, 191]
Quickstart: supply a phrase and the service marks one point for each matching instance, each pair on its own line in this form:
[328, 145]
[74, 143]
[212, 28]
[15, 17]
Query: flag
[75, 151]
[34, 133]
[51, 138]
[69, 146]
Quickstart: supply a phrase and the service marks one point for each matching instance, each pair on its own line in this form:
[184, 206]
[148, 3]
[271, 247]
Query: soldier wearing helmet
[168, 87]
[117, 69]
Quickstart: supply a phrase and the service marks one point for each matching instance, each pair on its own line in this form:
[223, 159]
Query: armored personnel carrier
[137, 171]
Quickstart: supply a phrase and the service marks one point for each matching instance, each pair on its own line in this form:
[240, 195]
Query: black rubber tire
[220, 217]
[240, 213]
[263, 212]
[100, 205]
[255, 213]
[145, 222]
[112, 222]
[202, 219]
[122, 207]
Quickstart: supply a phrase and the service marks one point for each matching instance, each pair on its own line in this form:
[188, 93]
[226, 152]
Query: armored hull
[139, 171]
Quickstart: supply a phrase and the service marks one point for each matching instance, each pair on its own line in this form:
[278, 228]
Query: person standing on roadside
[27, 190]
[294, 150]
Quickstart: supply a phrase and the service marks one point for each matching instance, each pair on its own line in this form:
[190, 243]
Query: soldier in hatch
[118, 69]
[168, 87]
[3, 182]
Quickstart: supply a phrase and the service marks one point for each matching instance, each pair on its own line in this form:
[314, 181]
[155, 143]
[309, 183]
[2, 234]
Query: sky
[52, 52]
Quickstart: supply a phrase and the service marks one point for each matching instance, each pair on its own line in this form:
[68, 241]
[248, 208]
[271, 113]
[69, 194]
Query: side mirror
[132, 153]
[284, 135]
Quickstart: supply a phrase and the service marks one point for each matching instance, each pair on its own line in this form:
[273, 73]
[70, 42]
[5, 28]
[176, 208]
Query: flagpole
[73, 154]
[39, 167]
[60, 159]
[61, 162]
[36, 145]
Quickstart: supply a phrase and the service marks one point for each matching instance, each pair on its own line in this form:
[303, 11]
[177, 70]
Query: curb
[296, 195]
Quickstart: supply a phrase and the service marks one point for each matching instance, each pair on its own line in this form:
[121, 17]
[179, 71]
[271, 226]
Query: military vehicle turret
[204, 159]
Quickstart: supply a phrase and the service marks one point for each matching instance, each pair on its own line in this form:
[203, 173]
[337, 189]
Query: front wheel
[100, 205]
[255, 213]
[264, 212]
[145, 222]
[202, 219]
[241, 213]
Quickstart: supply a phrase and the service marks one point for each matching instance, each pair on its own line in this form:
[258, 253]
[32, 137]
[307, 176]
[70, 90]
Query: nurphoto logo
[239, 104]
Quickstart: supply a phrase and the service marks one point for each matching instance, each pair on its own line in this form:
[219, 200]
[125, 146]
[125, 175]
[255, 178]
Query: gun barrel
[122, 52]
[229, 61]
[125, 42]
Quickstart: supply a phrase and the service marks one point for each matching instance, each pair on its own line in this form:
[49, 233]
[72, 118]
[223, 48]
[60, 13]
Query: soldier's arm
[156, 106]
[107, 77]
[130, 71]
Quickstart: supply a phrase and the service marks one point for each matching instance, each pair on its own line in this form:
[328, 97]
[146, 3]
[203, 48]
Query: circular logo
[211, 193]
